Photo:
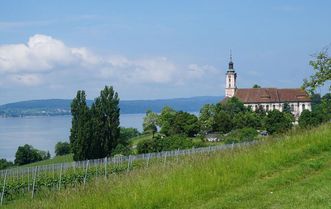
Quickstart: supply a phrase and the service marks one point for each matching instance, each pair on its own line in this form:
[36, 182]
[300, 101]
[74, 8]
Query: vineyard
[18, 182]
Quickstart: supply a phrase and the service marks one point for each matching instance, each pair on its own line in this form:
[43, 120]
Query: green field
[292, 171]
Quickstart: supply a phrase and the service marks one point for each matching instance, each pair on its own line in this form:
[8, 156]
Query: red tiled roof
[271, 95]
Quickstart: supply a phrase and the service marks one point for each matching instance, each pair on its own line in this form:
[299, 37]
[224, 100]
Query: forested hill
[62, 106]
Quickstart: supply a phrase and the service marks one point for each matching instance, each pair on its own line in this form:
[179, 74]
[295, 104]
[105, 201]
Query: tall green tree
[150, 122]
[166, 119]
[105, 123]
[184, 123]
[322, 72]
[80, 128]
[207, 118]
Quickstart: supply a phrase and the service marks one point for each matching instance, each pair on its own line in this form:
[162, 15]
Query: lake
[44, 132]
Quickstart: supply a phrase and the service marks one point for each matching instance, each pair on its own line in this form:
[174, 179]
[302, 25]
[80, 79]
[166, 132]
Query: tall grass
[288, 172]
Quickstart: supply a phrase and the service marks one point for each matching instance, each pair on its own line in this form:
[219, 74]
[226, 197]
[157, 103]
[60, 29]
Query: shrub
[5, 164]
[121, 149]
[126, 134]
[309, 119]
[27, 154]
[62, 148]
[278, 122]
[241, 135]
[159, 144]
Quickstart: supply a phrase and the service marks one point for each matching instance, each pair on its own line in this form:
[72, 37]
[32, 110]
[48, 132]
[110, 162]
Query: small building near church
[267, 98]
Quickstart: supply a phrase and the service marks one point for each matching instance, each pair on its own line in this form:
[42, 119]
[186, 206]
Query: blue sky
[155, 49]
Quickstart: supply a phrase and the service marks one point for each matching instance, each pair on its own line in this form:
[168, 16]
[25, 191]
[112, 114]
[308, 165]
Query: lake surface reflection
[44, 132]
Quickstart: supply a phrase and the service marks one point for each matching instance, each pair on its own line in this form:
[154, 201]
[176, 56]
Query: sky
[152, 49]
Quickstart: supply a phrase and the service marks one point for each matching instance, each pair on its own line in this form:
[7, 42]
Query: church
[266, 98]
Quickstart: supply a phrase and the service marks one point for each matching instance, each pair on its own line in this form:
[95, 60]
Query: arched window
[303, 107]
[292, 107]
[267, 107]
[256, 107]
[273, 107]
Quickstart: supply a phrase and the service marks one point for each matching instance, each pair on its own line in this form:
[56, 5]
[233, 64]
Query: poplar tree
[105, 121]
[79, 133]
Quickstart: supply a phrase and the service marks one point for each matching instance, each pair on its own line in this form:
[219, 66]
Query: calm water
[44, 132]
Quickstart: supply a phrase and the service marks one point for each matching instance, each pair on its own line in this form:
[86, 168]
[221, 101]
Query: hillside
[62, 106]
[290, 171]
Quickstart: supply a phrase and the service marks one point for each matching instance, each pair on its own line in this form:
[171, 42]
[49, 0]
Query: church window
[273, 107]
[303, 106]
[292, 107]
[267, 107]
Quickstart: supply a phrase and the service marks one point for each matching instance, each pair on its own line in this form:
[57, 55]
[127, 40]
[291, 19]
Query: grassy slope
[291, 173]
[56, 159]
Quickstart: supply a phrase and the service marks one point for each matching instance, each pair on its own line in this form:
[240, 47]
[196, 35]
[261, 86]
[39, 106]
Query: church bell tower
[230, 82]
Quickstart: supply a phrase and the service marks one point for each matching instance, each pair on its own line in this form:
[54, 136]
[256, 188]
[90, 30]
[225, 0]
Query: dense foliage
[95, 131]
[278, 122]
[62, 148]
[27, 154]
[322, 72]
[321, 111]
[150, 122]
[126, 134]
[241, 135]
[5, 164]
[158, 144]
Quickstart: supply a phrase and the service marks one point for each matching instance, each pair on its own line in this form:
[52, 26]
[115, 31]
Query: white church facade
[267, 98]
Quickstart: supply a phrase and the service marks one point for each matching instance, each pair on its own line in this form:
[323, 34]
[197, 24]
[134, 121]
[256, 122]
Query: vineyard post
[232, 146]
[165, 159]
[28, 179]
[105, 162]
[87, 163]
[96, 168]
[149, 155]
[60, 177]
[177, 155]
[74, 167]
[34, 180]
[3, 187]
[128, 163]
[131, 163]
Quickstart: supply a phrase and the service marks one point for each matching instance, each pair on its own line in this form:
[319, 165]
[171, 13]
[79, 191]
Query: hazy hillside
[62, 106]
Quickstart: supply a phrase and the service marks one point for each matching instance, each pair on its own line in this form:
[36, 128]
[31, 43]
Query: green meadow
[288, 171]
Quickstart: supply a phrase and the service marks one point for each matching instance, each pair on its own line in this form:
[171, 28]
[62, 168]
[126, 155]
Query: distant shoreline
[58, 107]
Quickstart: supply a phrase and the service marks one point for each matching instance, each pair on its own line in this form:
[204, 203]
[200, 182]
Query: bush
[126, 134]
[278, 122]
[27, 154]
[62, 148]
[5, 164]
[309, 119]
[159, 144]
[121, 149]
[241, 135]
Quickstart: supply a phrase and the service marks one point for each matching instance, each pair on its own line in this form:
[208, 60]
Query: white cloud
[46, 60]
